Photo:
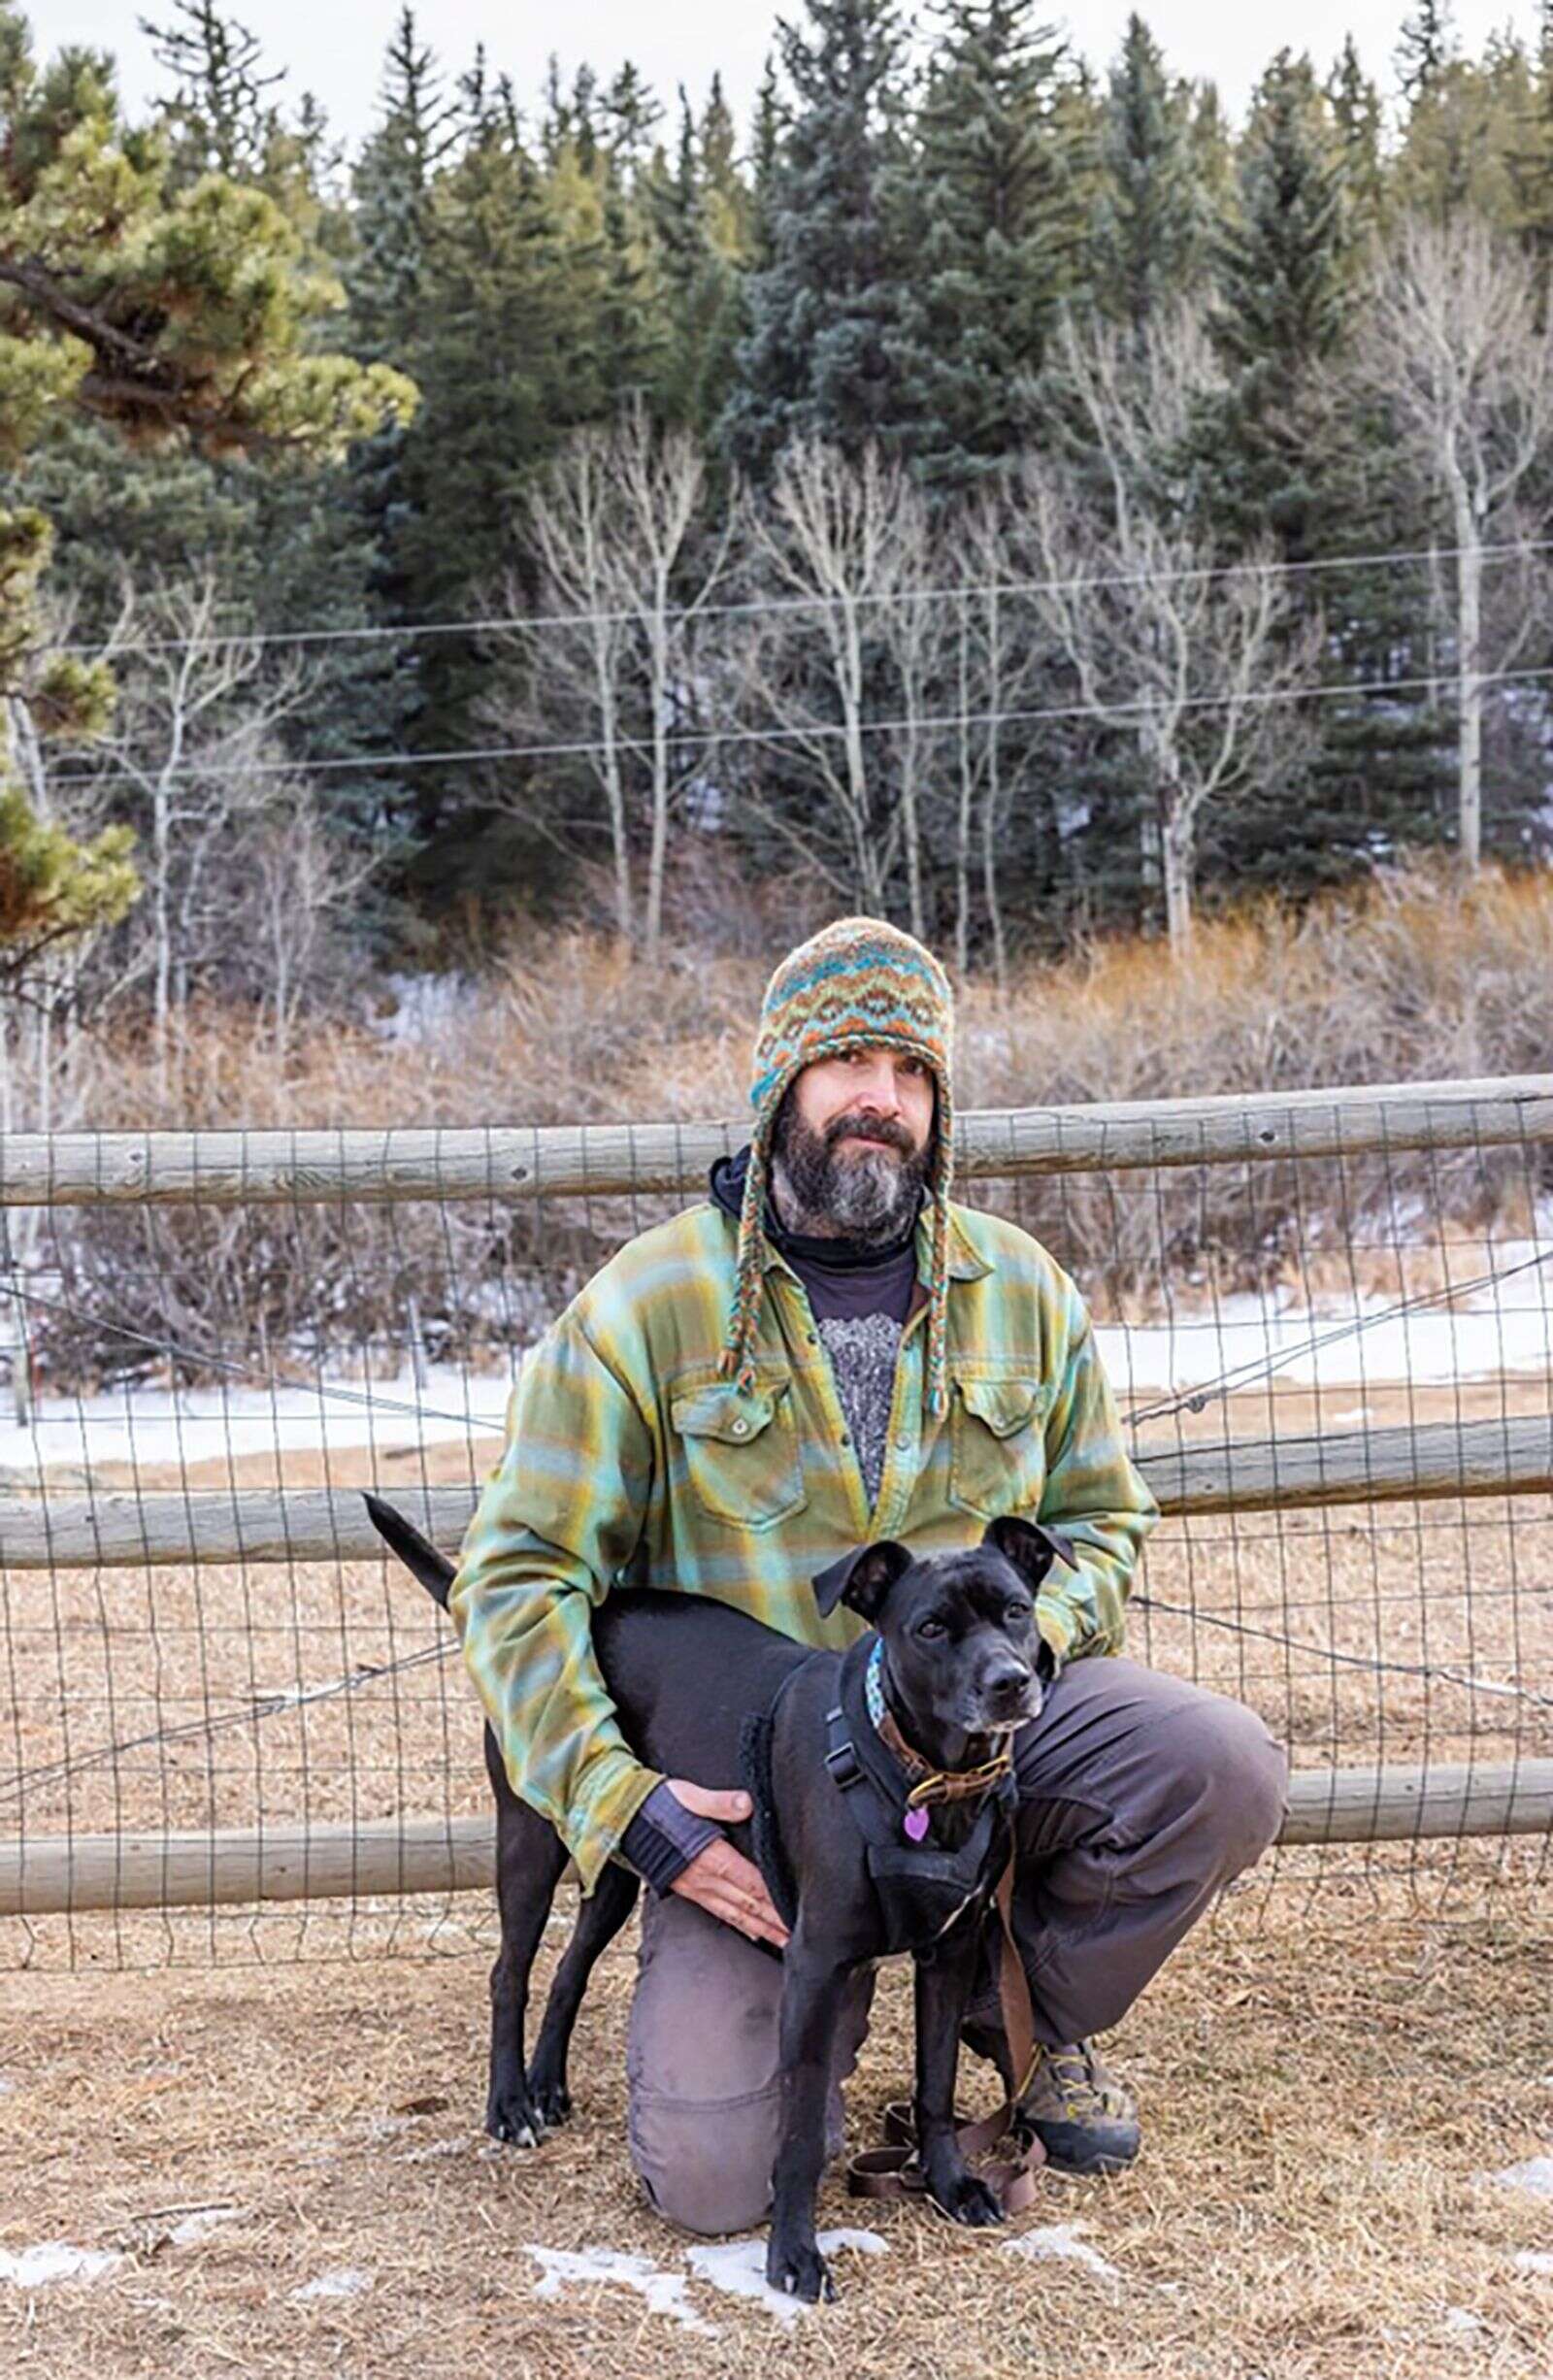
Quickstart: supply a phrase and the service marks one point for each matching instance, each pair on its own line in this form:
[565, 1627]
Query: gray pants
[1141, 1795]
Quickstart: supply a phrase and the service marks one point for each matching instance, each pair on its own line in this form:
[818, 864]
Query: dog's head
[959, 1629]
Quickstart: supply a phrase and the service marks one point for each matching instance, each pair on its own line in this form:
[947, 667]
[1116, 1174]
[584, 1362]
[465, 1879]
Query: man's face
[853, 1141]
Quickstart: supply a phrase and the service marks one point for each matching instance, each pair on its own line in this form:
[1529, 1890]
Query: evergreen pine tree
[1148, 234]
[220, 117]
[1355, 103]
[1423, 48]
[699, 280]
[816, 363]
[765, 161]
[993, 241]
[141, 316]
[1282, 273]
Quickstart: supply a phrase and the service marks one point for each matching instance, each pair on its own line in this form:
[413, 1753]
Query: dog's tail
[419, 1556]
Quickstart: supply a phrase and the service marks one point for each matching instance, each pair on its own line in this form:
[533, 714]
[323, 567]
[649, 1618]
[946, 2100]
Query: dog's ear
[863, 1580]
[1031, 1546]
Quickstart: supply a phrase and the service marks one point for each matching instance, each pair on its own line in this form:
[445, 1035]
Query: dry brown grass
[1321, 2099]
[1414, 977]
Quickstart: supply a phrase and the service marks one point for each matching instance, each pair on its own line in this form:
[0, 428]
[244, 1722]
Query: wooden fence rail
[285, 1862]
[230, 1169]
[59, 1874]
[121, 1530]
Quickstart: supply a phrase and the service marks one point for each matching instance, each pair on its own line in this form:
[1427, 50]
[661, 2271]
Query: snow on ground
[1061, 2239]
[340, 2281]
[1535, 2175]
[149, 1426]
[54, 2260]
[1534, 2260]
[1505, 1329]
[1308, 1349]
[664, 2292]
[737, 2266]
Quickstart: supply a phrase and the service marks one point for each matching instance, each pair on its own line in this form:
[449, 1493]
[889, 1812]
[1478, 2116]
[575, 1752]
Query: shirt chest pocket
[998, 1446]
[741, 1452]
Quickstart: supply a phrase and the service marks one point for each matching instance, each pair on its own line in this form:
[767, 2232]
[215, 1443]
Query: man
[829, 1351]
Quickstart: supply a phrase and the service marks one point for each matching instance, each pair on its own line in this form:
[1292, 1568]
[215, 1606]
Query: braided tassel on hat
[858, 983]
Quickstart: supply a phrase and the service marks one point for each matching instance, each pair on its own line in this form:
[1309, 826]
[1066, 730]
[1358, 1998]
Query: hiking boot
[1084, 2118]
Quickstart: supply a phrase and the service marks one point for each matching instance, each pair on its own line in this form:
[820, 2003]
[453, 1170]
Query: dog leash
[892, 2170]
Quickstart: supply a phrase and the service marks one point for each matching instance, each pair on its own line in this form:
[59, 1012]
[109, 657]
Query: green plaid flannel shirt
[629, 1462]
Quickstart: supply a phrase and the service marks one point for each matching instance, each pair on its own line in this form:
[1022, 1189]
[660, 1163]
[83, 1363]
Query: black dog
[883, 1793]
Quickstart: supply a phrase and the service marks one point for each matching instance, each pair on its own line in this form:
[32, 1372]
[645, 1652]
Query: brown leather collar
[932, 1786]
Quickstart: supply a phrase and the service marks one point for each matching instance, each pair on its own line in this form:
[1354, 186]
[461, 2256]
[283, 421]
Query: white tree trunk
[1469, 676]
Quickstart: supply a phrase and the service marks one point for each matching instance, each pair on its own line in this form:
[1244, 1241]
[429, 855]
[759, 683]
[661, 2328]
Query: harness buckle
[840, 1759]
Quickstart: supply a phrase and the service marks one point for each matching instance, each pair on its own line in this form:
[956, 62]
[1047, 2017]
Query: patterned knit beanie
[857, 983]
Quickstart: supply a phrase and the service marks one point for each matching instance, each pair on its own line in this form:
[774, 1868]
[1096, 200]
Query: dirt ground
[1327, 2090]
[276, 2133]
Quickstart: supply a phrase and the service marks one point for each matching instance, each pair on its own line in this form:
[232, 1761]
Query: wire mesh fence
[1327, 1318]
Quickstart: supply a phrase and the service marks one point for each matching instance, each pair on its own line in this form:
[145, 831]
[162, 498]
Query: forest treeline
[987, 484]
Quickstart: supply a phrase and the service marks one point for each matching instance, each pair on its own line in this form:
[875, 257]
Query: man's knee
[705, 2168]
[1231, 1778]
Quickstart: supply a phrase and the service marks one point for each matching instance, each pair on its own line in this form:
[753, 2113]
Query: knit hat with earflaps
[856, 984]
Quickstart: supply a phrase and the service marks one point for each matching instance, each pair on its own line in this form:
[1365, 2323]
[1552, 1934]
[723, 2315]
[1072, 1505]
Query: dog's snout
[1006, 1686]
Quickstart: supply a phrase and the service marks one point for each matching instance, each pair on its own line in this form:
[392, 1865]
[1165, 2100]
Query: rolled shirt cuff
[664, 1838]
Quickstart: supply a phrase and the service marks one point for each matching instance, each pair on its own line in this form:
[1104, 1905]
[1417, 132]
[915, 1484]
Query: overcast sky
[335, 49]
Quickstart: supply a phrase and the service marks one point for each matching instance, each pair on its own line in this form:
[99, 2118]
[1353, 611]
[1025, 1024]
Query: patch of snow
[6, 2084]
[1353, 1418]
[437, 2148]
[1464, 2323]
[425, 1007]
[1510, 1331]
[1534, 2175]
[201, 2223]
[340, 2281]
[1061, 2239]
[154, 1425]
[54, 2260]
[663, 2292]
[738, 2267]
[1534, 2260]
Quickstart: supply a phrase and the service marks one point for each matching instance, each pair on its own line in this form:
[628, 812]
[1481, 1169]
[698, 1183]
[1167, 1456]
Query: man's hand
[720, 1879]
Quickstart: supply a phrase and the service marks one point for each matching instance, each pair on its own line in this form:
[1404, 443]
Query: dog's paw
[552, 2102]
[513, 2116]
[799, 2271]
[966, 2200]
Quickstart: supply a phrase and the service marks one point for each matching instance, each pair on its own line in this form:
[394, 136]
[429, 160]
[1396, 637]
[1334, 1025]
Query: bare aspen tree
[612, 522]
[1454, 346]
[1167, 639]
[193, 727]
[301, 879]
[997, 663]
[568, 519]
[830, 546]
[915, 628]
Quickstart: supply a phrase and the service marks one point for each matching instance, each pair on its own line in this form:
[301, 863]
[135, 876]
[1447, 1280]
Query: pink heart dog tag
[915, 1823]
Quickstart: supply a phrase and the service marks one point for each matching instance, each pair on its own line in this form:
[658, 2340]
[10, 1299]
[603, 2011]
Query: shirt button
[740, 1428]
[845, 1440]
[902, 1441]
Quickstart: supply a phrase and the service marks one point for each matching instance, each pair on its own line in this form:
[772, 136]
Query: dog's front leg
[943, 1986]
[812, 1983]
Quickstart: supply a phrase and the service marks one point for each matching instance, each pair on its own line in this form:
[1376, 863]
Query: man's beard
[868, 1196]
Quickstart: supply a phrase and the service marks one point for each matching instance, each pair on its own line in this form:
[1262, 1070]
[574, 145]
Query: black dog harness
[923, 1889]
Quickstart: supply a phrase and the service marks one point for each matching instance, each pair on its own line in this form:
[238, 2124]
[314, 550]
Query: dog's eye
[1017, 1614]
[930, 1628]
